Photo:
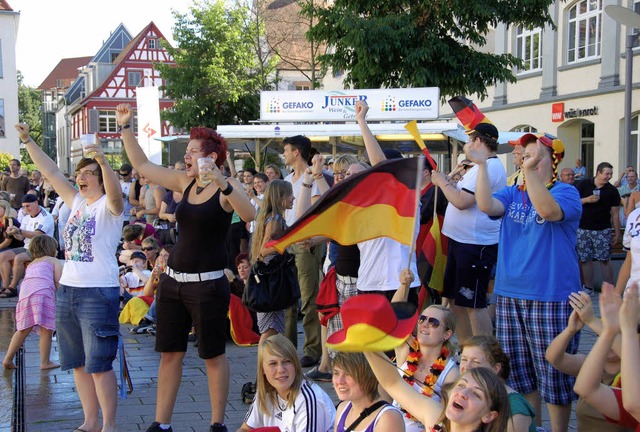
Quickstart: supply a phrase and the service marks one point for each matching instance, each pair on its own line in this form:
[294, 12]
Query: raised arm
[546, 206]
[461, 199]
[588, 383]
[376, 155]
[479, 154]
[401, 295]
[557, 354]
[46, 165]
[421, 407]
[170, 179]
[629, 313]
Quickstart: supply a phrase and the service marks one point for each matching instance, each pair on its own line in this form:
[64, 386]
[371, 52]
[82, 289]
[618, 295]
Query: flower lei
[434, 371]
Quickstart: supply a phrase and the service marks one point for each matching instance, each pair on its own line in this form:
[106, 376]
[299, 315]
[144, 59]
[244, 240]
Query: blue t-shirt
[537, 259]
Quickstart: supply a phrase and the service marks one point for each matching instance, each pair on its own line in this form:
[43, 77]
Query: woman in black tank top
[194, 288]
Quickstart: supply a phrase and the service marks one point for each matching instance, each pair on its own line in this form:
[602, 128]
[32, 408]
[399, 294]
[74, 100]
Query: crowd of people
[170, 251]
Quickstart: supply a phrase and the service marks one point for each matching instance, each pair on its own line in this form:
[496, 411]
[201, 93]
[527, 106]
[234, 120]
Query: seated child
[132, 282]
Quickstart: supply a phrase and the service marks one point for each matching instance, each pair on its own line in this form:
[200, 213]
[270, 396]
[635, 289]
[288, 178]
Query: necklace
[435, 370]
[201, 188]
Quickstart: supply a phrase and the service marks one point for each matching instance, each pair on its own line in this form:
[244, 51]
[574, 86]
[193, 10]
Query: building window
[525, 129]
[636, 9]
[634, 142]
[584, 30]
[1, 69]
[134, 78]
[529, 48]
[152, 44]
[2, 125]
[107, 121]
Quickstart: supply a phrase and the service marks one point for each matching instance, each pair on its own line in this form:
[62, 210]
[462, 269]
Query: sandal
[9, 292]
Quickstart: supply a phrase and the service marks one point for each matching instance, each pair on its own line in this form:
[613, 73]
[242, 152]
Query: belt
[193, 277]
[347, 279]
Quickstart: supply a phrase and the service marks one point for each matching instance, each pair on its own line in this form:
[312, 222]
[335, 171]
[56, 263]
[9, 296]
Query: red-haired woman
[193, 288]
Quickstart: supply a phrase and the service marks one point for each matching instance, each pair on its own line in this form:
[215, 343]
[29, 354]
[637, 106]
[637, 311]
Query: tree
[218, 74]
[424, 43]
[29, 112]
[288, 37]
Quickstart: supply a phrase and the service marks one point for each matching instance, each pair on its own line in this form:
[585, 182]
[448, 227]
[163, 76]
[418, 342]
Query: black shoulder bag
[274, 286]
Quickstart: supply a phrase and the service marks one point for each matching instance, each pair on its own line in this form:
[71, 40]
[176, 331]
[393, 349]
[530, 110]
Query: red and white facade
[133, 68]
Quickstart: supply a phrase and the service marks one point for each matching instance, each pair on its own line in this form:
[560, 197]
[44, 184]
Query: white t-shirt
[252, 224]
[126, 188]
[42, 222]
[312, 411]
[91, 239]
[132, 282]
[62, 212]
[471, 226]
[291, 215]
[381, 261]
[631, 240]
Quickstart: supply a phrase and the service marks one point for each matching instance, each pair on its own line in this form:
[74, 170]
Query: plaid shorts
[525, 328]
[594, 245]
[345, 291]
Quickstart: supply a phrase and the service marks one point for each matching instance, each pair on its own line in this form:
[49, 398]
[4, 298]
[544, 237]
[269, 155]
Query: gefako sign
[340, 105]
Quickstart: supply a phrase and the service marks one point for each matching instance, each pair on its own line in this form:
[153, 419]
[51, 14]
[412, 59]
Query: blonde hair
[343, 162]
[276, 345]
[449, 324]
[275, 195]
[356, 366]
[7, 209]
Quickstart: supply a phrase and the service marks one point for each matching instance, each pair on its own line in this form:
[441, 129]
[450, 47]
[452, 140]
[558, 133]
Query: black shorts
[203, 304]
[468, 271]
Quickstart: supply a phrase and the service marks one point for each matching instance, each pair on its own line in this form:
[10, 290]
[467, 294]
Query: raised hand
[630, 310]
[124, 112]
[609, 308]
[361, 110]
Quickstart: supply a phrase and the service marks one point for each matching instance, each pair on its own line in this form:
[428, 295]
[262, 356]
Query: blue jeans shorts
[88, 327]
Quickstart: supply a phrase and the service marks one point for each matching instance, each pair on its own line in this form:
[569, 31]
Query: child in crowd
[132, 283]
[36, 308]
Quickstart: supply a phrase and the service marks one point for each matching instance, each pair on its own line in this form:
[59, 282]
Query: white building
[572, 83]
[9, 20]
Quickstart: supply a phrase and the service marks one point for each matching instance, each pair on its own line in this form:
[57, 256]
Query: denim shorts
[88, 327]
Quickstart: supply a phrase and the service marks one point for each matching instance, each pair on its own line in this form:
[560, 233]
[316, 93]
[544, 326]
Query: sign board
[340, 105]
[148, 105]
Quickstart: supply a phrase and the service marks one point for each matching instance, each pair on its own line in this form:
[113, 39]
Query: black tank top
[201, 240]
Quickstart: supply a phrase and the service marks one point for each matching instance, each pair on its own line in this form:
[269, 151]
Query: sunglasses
[148, 248]
[431, 321]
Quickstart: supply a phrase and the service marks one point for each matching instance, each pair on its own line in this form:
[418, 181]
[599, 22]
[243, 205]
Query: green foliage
[5, 158]
[272, 159]
[425, 43]
[218, 74]
[29, 112]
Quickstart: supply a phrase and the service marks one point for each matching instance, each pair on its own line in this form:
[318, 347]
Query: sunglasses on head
[148, 248]
[431, 321]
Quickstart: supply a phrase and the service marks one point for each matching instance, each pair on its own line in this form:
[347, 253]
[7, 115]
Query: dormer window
[152, 43]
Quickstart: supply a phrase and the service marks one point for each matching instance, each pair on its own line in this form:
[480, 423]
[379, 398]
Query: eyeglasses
[342, 173]
[87, 173]
[431, 321]
[146, 249]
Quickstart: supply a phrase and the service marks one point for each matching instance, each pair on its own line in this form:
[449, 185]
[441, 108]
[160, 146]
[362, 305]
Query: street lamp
[629, 18]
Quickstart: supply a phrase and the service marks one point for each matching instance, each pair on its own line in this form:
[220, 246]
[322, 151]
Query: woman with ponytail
[537, 269]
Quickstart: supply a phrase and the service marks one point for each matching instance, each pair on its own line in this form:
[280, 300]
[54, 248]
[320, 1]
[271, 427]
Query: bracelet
[317, 176]
[307, 185]
[27, 141]
[228, 189]
[120, 127]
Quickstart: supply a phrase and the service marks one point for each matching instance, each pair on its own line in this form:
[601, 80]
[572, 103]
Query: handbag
[274, 286]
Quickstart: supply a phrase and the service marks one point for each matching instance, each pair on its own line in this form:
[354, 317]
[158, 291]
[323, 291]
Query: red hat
[524, 140]
[371, 323]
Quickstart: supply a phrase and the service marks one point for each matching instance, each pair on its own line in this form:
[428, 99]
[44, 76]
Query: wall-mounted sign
[558, 113]
[340, 105]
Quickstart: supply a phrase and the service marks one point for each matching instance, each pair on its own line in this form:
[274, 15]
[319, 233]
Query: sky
[50, 30]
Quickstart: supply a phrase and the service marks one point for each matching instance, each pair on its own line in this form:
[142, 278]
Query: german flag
[467, 112]
[379, 202]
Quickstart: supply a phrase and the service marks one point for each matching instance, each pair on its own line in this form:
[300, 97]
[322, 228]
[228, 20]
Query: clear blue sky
[47, 32]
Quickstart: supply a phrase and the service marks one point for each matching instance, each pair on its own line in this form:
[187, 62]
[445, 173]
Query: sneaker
[152, 330]
[316, 375]
[142, 327]
[155, 427]
[307, 361]
[217, 427]
[248, 393]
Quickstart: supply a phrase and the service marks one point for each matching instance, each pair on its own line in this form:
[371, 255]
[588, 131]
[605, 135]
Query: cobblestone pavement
[52, 403]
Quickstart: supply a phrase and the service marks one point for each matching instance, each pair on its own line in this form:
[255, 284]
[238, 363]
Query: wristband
[120, 127]
[307, 185]
[317, 176]
[27, 141]
[228, 189]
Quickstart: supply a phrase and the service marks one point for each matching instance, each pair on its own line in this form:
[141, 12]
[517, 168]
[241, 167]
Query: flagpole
[419, 175]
